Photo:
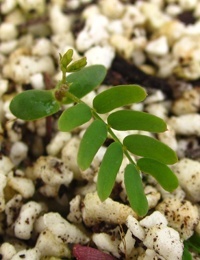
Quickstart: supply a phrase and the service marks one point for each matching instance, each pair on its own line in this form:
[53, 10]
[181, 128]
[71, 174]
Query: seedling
[154, 155]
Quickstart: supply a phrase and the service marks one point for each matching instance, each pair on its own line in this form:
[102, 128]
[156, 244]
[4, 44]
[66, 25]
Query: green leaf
[146, 146]
[108, 170]
[84, 81]
[161, 172]
[193, 242]
[34, 104]
[73, 117]
[94, 137]
[77, 65]
[118, 96]
[136, 120]
[186, 254]
[135, 190]
[66, 58]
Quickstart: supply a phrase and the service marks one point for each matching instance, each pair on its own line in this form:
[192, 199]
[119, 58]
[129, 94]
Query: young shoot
[154, 155]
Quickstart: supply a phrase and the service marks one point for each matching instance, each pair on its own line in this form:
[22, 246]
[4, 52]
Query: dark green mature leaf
[85, 80]
[135, 190]
[186, 254]
[108, 170]
[193, 242]
[94, 137]
[118, 96]
[34, 104]
[161, 172]
[146, 146]
[73, 117]
[136, 120]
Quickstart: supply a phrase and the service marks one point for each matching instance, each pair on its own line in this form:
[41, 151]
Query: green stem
[110, 131]
[64, 77]
[74, 98]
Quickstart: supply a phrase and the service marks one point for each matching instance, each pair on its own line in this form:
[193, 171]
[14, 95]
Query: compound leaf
[93, 138]
[136, 120]
[34, 104]
[135, 190]
[149, 147]
[108, 170]
[85, 80]
[118, 96]
[161, 172]
[74, 117]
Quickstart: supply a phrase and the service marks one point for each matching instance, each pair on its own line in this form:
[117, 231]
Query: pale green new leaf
[108, 170]
[77, 65]
[66, 58]
[74, 117]
[146, 146]
[93, 138]
[118, 96]
[136, 120]
[84, 81]
[135, 190]
[161, 172]
[34, 104]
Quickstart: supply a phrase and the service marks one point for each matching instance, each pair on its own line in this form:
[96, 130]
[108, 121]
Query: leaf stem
[74, 98]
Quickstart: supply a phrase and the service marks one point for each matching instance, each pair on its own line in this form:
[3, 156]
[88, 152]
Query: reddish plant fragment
[89, 253]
